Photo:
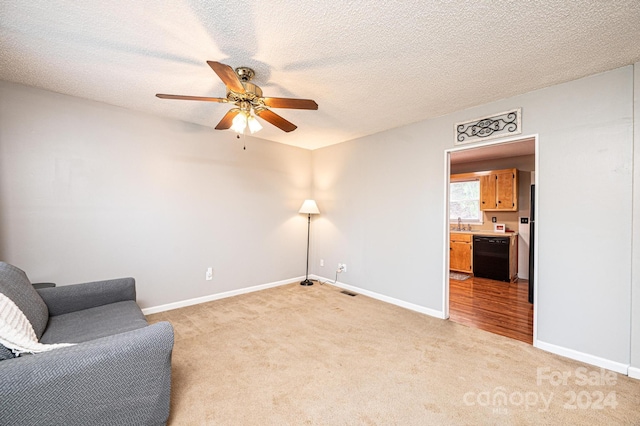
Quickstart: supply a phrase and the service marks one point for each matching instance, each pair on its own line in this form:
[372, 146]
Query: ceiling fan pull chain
[244, 141]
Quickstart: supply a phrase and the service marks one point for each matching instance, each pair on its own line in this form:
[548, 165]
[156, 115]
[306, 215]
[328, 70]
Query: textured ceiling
[370, 65]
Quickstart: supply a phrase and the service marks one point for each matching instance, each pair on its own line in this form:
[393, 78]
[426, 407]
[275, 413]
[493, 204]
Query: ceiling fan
[247, 97]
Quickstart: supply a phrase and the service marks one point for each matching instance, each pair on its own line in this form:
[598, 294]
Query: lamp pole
[309, 207]
[306, 280]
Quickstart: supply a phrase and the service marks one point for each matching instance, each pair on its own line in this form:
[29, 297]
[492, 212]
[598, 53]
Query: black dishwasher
[491, 257]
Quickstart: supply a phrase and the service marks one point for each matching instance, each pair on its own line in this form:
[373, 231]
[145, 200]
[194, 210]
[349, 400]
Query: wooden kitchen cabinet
[461, 253]
[499, 190]
[488, 192]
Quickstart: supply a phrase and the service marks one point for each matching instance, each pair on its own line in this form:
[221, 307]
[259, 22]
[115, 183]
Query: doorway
[481, 302]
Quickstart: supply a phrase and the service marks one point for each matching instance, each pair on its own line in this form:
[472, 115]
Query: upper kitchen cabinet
[499, 190]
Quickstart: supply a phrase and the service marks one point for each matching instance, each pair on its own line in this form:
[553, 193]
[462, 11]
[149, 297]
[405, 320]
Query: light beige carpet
[295, 355]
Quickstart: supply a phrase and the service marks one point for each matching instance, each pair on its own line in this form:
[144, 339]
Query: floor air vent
[348, 293]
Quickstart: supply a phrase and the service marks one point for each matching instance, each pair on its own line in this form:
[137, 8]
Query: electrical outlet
[494, 219]
[342, 267]
[321, 262]
[209, 275]
[524, 220]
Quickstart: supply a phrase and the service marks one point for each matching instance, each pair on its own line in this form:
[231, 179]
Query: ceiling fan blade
[191, 98]
[227, 120]
[290, 103]
[227, 75]
[276, 120]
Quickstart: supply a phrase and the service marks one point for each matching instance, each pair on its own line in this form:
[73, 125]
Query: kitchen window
[464, 201]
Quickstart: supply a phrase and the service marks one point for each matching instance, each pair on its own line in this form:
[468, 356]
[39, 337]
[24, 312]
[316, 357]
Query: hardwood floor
[494, 306]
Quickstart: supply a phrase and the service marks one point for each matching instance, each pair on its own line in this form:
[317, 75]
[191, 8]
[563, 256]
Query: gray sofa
[119, 373]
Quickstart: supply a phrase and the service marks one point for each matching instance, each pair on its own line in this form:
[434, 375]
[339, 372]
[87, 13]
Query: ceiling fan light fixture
[239, 123]
[243, 120]
[254, 124]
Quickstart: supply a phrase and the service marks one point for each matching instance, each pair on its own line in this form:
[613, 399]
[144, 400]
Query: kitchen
[490, 238]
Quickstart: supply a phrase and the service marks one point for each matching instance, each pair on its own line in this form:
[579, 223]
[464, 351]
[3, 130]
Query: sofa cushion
[93, 323]
[16, 332]
[16, 286]
[5, 353]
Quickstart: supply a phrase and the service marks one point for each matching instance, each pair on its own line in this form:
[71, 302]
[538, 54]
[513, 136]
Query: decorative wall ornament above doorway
[494, 126]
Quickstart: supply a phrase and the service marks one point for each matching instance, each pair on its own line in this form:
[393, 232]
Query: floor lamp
[309, 207]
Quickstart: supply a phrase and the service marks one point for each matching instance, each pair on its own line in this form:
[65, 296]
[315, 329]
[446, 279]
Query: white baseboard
[209, 298]
[634, 372]
[382, 297]
[618, 367]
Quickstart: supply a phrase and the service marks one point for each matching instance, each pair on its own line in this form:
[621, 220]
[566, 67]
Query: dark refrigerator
[532, 239]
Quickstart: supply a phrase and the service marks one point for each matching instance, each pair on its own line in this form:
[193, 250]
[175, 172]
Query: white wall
[89, 191]
[382, 214]
[635, 293]
[383, 198]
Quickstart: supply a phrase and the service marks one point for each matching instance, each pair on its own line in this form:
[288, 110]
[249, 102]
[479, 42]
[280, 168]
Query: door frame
[447, 224]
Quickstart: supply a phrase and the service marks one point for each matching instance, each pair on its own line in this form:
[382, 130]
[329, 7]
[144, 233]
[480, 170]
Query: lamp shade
[309, 207]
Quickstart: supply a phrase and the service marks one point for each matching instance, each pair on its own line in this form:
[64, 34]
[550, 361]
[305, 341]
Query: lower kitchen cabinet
[490, 260]
[461, 253]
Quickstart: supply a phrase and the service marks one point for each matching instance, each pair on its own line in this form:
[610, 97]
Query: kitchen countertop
[486, 232]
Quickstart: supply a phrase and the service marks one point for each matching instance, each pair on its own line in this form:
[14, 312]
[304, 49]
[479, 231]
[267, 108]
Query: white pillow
[16, 332]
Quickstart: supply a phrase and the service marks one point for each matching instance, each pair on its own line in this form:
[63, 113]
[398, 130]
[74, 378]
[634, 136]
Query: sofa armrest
[120, 379]
[70, 298]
